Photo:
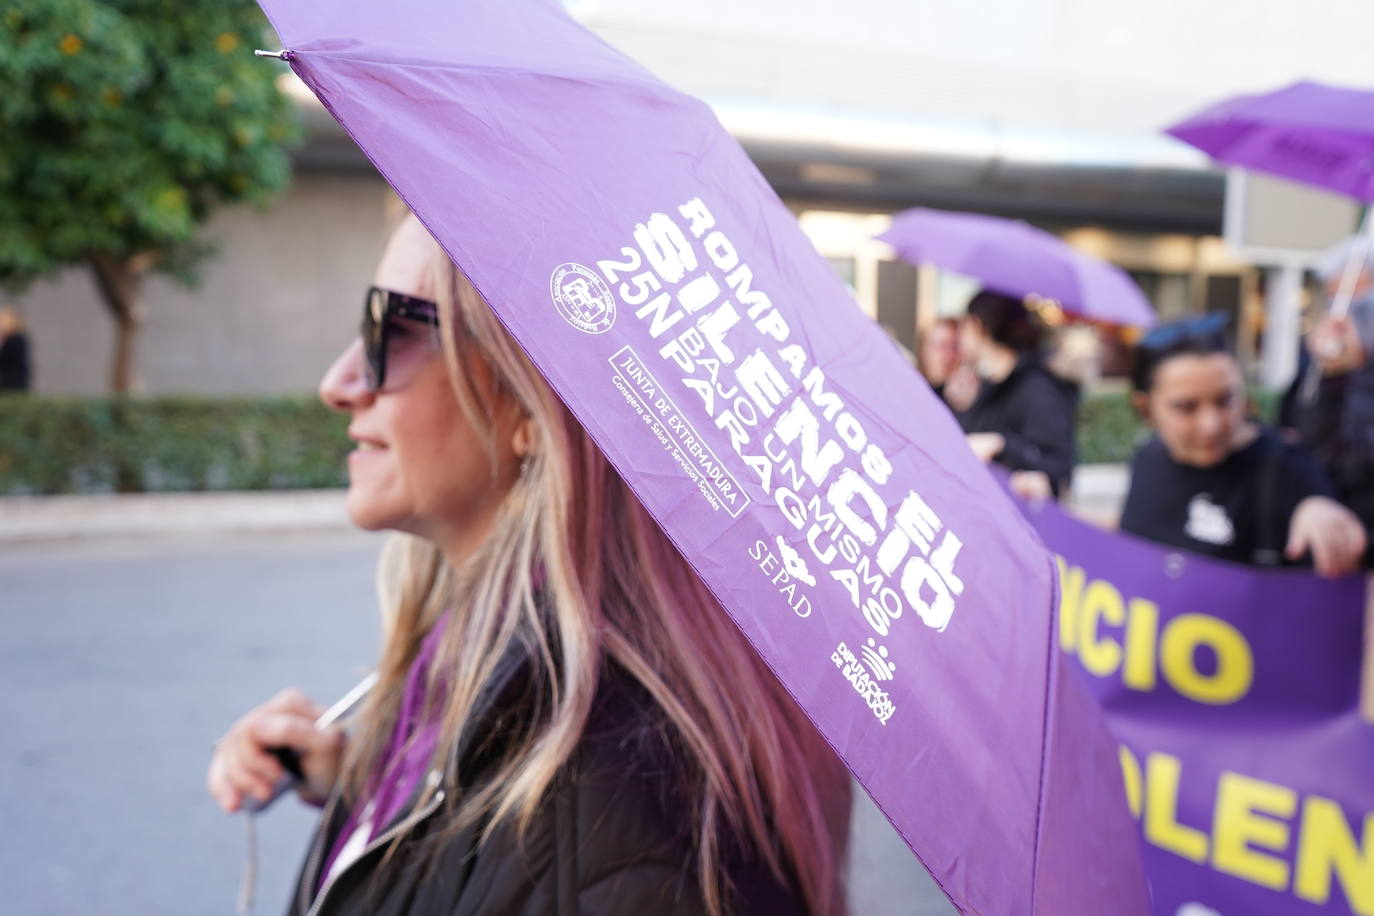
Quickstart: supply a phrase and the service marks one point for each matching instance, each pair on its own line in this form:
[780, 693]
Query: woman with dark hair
[1022, 416]
[1212, 480]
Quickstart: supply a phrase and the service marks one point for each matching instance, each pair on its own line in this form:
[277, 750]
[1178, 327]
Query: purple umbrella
[1315, 134]
[1017, 259]
[1308, 132]
[810, 477]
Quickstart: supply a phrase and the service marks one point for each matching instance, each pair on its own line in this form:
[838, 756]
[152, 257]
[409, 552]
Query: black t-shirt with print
[1238, 510]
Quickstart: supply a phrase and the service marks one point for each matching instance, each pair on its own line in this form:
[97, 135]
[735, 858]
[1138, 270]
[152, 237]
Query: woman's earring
[524, 467]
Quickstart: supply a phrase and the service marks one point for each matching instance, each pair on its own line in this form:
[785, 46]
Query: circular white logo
[583, 298]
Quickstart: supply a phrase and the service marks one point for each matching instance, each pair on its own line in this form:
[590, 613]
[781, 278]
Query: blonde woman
[565, 722]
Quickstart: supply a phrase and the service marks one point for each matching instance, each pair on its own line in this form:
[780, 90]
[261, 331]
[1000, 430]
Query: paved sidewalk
[1099, 490]
[1097, 494]
[44, 518]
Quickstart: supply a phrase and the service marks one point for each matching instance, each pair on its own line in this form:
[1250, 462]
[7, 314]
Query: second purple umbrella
[1016, 259]
[1307, 132]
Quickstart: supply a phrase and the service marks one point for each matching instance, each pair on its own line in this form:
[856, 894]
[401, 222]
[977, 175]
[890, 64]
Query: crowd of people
[1210, 477]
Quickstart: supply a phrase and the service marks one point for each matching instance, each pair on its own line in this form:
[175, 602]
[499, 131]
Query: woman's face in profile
[939, 352]
[419, 465]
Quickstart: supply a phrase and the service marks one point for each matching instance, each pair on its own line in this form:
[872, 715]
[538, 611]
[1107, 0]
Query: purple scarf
[407, 755]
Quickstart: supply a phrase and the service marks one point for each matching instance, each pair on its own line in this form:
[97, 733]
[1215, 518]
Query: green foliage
[1108, 429]
[123, 123]
[100, 445]
[61, 445]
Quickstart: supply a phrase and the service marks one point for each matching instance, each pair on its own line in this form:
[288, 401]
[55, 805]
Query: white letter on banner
[715, 326]
[795, 357]
[843, 491]
[684, 349]
[798, 420]
[721, 250]
[914, 521]
[699, 293]
[940, 609]
[756, 302]
[762, 382]
[695, 212]
[666, 248]
[774, 325]
[943, 561]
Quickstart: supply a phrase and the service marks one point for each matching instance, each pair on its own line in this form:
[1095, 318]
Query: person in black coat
[15, 370]
[1330, 405]
[565, 721]
[1022, 416]
[1213, 481]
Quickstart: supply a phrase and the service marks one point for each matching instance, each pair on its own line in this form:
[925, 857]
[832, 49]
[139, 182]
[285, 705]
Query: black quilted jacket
[613, 837]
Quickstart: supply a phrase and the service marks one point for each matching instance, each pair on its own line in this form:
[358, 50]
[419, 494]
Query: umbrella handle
[1359, 251]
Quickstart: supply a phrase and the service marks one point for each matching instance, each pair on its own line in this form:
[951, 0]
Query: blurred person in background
[1021, 415]
[938, 353]
[565, 721]
[1214, 481]
[15, 370]
[1333, 413]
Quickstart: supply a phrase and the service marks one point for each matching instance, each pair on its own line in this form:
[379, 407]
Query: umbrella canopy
[1016, 259]
[794, 458]
[1308, 132]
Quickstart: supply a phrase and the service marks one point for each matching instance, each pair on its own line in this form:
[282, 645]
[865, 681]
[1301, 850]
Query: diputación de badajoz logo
[583, 299]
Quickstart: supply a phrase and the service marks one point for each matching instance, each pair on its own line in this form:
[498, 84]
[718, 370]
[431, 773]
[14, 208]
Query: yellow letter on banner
[1130, 774]
[1326, 846]
[1142, 631]
[1235, 663]
[1161, 808]
[1239, 823]
[1070, 596]
[1101, 656]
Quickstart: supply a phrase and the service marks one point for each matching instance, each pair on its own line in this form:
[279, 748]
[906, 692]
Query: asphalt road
[123, 660]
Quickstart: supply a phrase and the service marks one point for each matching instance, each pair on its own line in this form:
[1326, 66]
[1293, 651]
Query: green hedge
[99, 445]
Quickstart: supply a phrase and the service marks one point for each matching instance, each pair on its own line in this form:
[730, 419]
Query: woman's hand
[243, 764]
[1032, 486]
[986, 446]
[1335, 344]
[1330, 531]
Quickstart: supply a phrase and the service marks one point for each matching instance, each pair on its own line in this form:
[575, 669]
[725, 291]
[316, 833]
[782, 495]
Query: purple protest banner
[1233, 692]
[814, 482]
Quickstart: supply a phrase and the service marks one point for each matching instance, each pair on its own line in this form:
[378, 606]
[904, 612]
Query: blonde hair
[610, 587]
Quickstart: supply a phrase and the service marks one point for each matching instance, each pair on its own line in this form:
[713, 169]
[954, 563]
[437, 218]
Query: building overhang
[837, 160]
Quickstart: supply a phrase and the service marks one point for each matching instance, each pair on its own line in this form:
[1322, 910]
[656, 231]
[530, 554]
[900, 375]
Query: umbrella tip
[278, 55]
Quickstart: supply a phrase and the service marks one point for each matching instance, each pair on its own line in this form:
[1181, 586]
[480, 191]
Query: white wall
[1115, 66]
[280, 300]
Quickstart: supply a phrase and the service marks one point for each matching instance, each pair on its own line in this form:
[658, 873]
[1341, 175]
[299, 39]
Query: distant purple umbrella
[1016, 259]
[802, 467]
[1312, 133]
[1308, 132]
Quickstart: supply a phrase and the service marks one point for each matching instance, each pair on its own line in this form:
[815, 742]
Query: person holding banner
[1022, 416]
[1335, 418]
[565, 719]
[1211, 480]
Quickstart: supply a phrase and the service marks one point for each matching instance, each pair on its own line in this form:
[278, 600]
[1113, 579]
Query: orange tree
[123, 124]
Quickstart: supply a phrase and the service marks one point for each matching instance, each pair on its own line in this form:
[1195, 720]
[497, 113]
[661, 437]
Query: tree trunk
[120, 283]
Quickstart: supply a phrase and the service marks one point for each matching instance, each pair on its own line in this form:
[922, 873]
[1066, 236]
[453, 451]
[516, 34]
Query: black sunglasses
[380, 308]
